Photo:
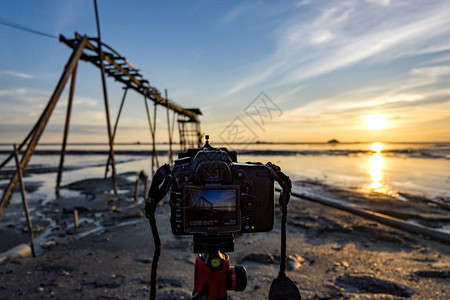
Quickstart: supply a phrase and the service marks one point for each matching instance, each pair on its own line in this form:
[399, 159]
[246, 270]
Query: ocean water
[389, 168]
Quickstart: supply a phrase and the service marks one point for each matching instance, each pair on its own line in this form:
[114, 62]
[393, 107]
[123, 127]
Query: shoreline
[251, 143]
[402, 153]
[332, 254]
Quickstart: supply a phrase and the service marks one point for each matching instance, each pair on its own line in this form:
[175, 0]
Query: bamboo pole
[149, 119]
[371, 215]
[105, 98]
[66, 129]
[146, 187]
[170, 153]
[75, 219]
[115, 128]
[24, 200]
[154, 153]
[136, 190]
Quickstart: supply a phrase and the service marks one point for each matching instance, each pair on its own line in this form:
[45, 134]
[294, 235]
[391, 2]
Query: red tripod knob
[214, 276]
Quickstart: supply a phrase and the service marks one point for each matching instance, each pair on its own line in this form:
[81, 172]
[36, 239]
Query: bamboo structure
[113, 65]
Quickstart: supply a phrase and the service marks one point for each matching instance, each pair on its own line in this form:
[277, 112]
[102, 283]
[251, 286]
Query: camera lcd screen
[211, 209]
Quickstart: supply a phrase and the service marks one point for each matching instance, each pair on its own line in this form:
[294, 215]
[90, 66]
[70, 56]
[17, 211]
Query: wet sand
[332, 254]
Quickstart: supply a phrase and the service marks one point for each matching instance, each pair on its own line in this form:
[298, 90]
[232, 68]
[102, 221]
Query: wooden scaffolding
[114, 65]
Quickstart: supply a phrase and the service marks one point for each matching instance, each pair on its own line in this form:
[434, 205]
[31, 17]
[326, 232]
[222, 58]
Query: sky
[354, 70]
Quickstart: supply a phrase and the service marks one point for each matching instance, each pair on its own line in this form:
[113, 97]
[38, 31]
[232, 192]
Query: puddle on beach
[45, 194]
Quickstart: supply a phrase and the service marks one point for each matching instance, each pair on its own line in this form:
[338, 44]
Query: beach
[332, 254]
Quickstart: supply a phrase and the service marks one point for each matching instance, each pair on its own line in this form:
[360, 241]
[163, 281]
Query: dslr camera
[213, 195]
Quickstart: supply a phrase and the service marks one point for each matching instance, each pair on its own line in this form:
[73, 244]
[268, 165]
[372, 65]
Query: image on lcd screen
[211, 208]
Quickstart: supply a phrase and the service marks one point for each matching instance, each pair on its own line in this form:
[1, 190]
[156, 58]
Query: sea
[421, 169]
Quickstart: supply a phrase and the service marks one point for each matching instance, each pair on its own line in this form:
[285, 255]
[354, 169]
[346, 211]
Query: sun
[376, 122]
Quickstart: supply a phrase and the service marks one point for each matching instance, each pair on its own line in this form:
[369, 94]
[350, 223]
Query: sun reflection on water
[376, 172]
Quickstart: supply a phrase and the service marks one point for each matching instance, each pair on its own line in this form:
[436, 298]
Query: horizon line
[222, 143]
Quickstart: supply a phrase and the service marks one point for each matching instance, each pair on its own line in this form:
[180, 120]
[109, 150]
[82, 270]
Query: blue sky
[330, 66]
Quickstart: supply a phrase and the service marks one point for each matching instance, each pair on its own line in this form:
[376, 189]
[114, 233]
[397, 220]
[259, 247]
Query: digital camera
[212, 194]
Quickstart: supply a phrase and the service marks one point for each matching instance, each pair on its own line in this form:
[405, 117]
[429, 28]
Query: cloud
[330, 116]
[370, 45]
[347, 34]
[234, 13]
[420, 97]
[24, 106]
[289, 94]
[434, 72]
[86, 102]
[380, 2]
[13, 92]
[17, 74]
[321, 36]
[377, 98]
[442, 59]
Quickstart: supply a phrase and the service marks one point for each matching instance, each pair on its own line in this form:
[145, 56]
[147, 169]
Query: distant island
[333, 141]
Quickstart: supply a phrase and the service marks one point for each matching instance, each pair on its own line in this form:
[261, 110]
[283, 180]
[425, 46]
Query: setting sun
[377, 147]
[376, 122]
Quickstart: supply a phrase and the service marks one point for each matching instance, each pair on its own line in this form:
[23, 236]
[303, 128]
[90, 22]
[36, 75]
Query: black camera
[212, 194]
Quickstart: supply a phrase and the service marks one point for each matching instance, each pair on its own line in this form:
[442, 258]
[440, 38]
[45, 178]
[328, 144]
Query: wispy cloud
[419, 98]
[234, 13]
[442, 59]
[321, 37]
[348, 110]
[17, 74]
[368, 46]
[12, 92]
[380, 2]
[433, 72]
[25, 105]
[290, 94]
[346, 34]
[420, 84]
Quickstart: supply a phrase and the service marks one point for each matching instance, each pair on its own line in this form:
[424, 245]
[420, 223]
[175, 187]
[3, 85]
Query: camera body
[213, 195]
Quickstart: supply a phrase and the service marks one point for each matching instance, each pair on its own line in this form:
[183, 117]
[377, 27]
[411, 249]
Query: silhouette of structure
[114, 65]
[204, 204]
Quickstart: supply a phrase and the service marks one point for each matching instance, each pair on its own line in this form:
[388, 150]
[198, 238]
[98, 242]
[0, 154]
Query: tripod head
[212, 244]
